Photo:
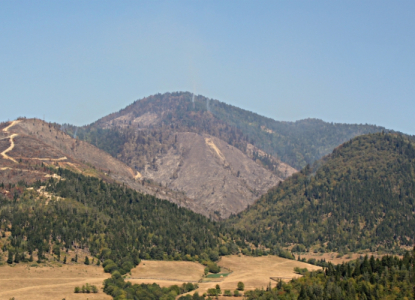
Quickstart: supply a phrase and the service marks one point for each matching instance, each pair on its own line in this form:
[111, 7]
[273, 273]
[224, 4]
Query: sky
[339, 61]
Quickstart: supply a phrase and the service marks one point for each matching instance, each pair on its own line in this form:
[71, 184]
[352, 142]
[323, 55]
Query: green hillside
[109, 220]
[362, 196]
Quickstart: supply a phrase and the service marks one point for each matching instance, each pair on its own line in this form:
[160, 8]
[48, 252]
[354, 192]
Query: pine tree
[10, 258]
[64, 260]
[86, 260]
[17, 258]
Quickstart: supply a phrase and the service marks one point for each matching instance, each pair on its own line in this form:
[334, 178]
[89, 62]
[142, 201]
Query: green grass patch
[219, 275]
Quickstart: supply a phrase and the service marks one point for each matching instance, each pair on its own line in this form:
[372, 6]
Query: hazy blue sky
[341, 61]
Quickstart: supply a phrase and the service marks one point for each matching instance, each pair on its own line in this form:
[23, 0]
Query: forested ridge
[362, 196]
[111, 221]
[295, 143]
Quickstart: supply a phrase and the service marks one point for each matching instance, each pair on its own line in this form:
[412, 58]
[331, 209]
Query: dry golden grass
[180, 271]
[58, 281]
[50, 282]
[254, 272]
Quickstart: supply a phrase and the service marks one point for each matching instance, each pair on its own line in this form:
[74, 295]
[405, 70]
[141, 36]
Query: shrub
[86, 289]
[241, 286]
[223, 250]
[212, 292]
[111, 267]
[236, 293]
[299, 248]
[301, 271]
[227, 293]
[213, 268]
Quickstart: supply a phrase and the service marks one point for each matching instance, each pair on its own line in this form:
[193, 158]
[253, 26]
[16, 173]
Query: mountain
[30, 146]
[362, 196]
[220, 156]
[294, 143]
[221, 176]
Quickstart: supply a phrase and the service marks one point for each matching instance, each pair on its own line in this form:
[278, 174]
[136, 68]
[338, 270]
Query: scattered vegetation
[120, 289]
[86, 289]
[366, 278]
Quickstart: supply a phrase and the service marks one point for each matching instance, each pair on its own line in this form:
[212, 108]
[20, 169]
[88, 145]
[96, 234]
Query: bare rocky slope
[29, 146]
[188, 150]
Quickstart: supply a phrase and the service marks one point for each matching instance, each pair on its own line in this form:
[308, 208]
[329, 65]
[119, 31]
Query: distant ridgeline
[295, 143]
[362, 196]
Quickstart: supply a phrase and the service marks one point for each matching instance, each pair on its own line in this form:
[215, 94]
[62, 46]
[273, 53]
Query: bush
[212, 292]
[86, 289]
[111, 267]
[236, 293]
[241, 286]
[227, 293]
[223, 250]
[312, 261]
[213, 268]
[301, 271]
[299, 248]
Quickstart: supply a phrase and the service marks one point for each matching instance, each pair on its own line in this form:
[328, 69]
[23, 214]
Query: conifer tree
[17, 258]
[10, 258]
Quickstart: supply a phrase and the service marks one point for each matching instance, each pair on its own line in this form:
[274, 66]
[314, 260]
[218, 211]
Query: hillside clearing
[254, 272]
[180, 271]
[50, 282]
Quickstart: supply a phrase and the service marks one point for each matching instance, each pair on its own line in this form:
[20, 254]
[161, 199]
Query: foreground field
[58, 281]
[50, 282]
[254, 272]
[166, 273]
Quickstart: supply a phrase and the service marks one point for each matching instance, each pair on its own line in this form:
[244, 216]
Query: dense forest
[116, 224]
[366, 278]
[295, 143]
[362, 196]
